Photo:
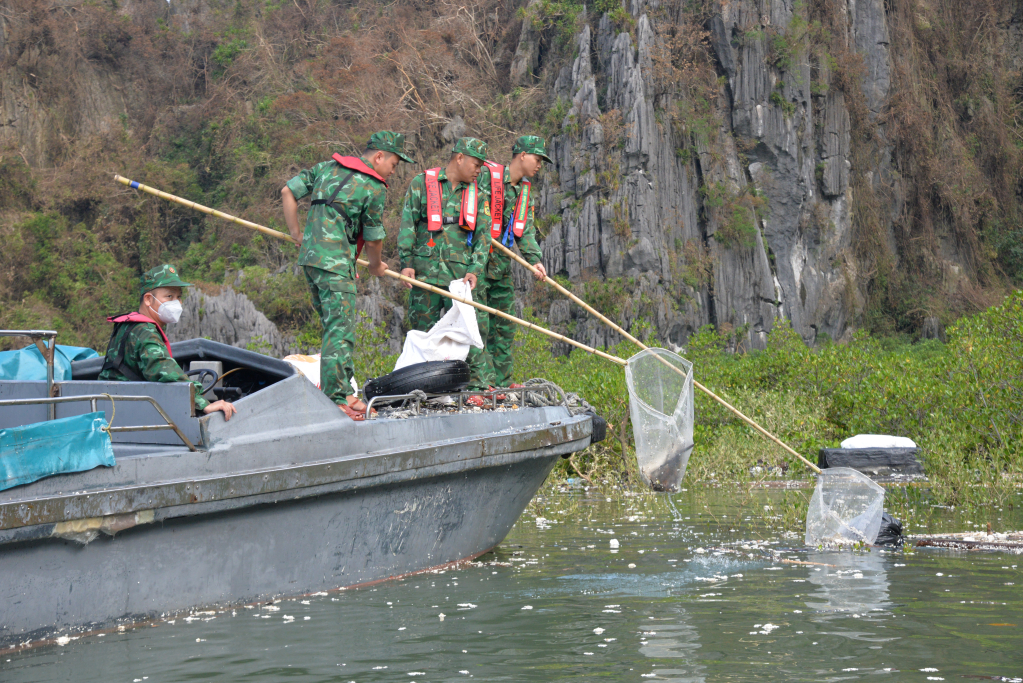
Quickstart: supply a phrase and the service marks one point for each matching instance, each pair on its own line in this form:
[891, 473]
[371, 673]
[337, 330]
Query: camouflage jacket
[145, 353]
[329, 239]
[450, 258]
[497, 268]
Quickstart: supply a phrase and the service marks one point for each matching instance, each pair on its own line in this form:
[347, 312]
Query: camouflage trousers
[425, 309]
[500, 294]
[334, 301]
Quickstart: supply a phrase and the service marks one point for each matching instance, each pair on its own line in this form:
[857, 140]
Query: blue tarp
[28, 363]
[70, 444]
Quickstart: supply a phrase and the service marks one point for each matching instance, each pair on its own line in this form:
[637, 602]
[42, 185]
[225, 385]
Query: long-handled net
[846, 505]
[661, 406]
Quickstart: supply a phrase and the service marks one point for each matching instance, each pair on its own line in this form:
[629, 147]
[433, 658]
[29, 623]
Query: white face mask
[169, 311]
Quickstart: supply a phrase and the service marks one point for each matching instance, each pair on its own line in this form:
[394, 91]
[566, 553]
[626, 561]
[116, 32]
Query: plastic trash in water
[846, 507]
[661, 406]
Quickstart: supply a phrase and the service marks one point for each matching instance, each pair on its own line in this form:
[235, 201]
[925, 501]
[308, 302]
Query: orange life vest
[434, 212]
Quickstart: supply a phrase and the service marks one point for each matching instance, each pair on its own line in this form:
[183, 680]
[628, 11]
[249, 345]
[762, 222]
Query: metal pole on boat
[556, 285]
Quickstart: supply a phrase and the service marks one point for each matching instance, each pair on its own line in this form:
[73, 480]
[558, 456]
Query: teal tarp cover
[70, 444]
[28, 363]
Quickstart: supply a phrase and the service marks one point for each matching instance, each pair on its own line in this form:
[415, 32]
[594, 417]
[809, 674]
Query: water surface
[692, 592]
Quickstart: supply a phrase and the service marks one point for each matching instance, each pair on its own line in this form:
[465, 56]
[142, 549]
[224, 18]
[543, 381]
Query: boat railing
[93, 402]
[37, 336]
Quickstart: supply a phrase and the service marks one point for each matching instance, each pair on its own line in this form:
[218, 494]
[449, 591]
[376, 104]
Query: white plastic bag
[450, 338]
[310, 367]
[846, 507]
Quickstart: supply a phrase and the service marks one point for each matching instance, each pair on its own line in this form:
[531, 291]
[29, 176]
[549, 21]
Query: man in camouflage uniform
[498, 290]
[138, 350]
[454, 252]
[348, 195]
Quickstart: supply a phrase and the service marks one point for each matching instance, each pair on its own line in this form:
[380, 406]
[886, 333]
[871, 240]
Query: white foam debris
[598, 630]
[632, 566]
[306, 618]
[63, 640]
[614, 543]
[587, 653]
[929, 669]
[320, 594]
[305, 602]
[271, 608]
[527, 607]
[377, 668]
[416, 673]
[288, 618]
[441, 616]
[467, 605]
[464, 672]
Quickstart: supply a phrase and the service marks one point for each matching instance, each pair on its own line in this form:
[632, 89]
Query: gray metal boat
[288, 497]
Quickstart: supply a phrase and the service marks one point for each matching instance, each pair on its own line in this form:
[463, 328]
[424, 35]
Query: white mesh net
[846, 507]
[661, 406]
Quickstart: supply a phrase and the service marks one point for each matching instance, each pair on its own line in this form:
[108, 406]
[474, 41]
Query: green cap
[532, 144]
[389, 141]
[161, 276]
[472, 147]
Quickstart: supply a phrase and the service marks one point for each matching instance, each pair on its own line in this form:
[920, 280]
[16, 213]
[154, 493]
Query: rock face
[230, 318]
[638, 198]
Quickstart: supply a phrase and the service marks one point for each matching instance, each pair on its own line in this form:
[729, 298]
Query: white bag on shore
[878, 441]
[450, 338]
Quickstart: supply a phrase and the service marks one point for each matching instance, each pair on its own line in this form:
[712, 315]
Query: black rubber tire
[435, 377]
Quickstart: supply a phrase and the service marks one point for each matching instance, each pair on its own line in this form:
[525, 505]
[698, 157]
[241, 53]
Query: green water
[692, 594]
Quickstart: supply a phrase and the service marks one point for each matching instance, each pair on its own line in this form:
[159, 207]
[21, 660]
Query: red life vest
[136, 317]
[434, 211]
[521, 212]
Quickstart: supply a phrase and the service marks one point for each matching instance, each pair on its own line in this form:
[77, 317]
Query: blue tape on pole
[134, 184]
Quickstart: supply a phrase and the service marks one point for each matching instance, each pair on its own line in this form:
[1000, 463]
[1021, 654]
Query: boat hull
[244, 555]
[287, 498]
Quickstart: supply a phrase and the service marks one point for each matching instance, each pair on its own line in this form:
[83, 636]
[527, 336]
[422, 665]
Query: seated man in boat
[138, 350]
[346, 212]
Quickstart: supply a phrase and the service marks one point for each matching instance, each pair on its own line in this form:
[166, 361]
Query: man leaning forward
[345, 215]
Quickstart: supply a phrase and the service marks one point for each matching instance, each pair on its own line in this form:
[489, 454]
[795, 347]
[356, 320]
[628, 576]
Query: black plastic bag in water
[890, 533]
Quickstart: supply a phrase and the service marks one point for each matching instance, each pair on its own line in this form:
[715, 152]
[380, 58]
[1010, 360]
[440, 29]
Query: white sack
[878, 441]
[310, 367]
[450, 338]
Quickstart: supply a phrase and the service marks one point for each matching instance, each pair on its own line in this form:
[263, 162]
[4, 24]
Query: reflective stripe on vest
[496, 197]
[521, 210]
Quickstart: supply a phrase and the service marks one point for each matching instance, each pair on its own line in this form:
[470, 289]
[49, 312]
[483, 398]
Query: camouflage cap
[389, 141]
[472, 147]
[161, 276]
[532, 144]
